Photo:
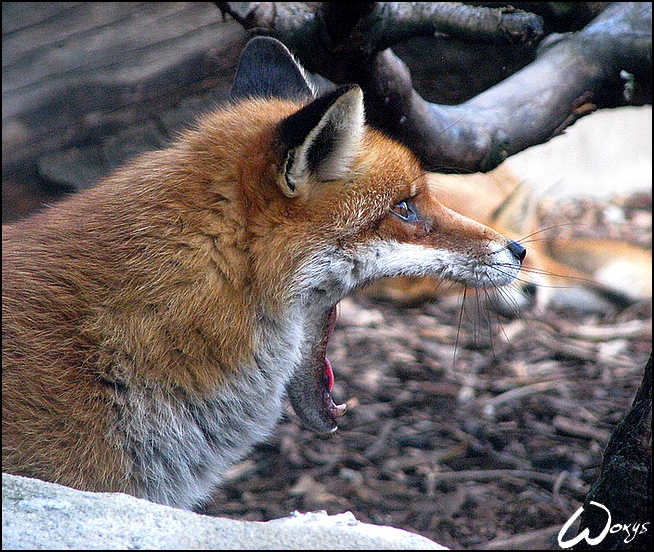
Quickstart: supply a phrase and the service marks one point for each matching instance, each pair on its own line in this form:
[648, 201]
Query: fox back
[154, 325]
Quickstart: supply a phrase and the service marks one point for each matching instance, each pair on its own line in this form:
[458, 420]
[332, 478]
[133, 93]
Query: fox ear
[267, 69]
[322, 138]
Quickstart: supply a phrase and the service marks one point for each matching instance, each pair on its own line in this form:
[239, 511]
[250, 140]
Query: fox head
[340, 205]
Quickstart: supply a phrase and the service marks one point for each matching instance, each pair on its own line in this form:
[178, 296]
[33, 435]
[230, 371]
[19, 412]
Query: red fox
[154, 324]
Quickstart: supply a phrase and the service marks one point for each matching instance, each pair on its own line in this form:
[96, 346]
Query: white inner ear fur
[342, 127]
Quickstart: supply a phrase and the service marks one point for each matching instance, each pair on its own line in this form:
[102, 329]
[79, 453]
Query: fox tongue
[310, 388]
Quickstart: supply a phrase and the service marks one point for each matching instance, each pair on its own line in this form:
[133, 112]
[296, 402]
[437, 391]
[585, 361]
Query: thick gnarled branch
[605, 64]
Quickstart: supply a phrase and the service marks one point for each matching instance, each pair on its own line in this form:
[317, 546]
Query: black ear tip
[265, 44]
[264, 50]
[267, 69]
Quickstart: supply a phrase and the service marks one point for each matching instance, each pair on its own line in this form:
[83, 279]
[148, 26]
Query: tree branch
[605, 64]
[385, 24]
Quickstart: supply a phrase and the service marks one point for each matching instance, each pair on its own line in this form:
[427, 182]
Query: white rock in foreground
[37, 515]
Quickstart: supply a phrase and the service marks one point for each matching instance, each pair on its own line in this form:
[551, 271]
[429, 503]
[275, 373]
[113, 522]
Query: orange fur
[152, 324]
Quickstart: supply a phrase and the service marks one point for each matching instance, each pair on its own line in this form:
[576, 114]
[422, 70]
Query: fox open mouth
[310, 389]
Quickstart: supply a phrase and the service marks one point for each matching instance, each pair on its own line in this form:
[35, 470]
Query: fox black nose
[519, 252]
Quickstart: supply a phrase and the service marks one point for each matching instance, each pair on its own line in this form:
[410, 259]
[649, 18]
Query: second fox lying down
[153, 325]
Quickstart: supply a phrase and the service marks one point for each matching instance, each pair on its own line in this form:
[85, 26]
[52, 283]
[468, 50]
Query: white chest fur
[180, 446]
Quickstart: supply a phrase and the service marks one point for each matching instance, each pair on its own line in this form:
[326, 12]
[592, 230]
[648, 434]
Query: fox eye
[404, 210]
